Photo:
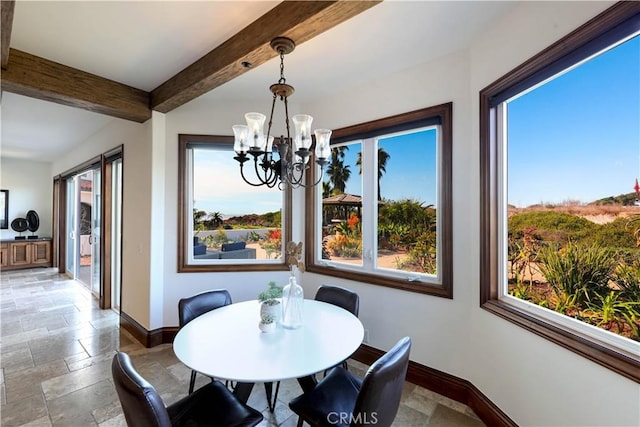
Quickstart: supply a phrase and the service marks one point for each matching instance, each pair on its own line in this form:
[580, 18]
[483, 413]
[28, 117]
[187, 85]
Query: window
[383, 212]
[560, 143]
[224, 223]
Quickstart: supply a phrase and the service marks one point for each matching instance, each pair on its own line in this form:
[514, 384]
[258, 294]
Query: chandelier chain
[282, 79]
[273, 106]
[286, 118]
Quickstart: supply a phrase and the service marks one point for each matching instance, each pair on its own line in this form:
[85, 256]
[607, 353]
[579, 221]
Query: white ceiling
[144, 43]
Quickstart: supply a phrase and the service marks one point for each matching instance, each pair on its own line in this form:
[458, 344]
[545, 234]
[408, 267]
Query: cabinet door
[4, 254]
[41, 252]
[20, 254]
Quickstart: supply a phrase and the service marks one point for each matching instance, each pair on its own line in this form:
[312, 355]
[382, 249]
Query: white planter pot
[275, 310]
[267, 327]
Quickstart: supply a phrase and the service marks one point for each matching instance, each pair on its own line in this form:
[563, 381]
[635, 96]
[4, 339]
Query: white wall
[30, 188]
[137, 206]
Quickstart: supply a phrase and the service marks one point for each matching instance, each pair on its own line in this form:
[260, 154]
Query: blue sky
[578, 136]
[230, 196]
[404, 169]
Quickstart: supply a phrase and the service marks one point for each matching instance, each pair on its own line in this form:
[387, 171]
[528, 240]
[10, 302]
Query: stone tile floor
[56, 348]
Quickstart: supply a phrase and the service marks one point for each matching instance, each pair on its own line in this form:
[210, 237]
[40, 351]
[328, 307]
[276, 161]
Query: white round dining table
[226, 343]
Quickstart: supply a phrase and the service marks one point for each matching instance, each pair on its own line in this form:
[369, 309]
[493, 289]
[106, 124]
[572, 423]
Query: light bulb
[255, 121]
[302, 138]
[323, 149]
[240, 132]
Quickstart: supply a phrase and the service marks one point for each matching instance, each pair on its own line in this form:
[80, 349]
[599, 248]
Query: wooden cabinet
[25, 254]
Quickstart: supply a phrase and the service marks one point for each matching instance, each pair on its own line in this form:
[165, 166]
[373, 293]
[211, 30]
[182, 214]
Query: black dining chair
[340, 297]
[142, 406]
[342, 399]
[197, 305]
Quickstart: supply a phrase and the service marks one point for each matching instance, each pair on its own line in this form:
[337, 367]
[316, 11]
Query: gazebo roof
[344, 199]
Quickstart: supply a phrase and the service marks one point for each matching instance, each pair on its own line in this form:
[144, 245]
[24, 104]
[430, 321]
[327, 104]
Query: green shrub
[577, 270]
[615, 234]
[549, 221]
[609, 309]
[627, 279]
[401, 223]
[423, 253]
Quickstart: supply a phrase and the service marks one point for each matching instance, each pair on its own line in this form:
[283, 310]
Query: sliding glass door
[83, 225]
[71, 226]
[89, 229]
[115, 232]
[96, 225]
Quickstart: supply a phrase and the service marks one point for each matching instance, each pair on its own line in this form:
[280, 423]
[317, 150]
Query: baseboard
[147, 338]
[440, 382]
[447, 385]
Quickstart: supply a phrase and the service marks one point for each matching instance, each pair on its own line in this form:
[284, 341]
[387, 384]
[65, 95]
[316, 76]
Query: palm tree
[327, 189]
[337, 171]
[383, 157]
[216, 219]
[339, 174]
[197, 219]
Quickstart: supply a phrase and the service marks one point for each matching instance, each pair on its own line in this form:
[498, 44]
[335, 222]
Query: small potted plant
[270, 301]
[267, 323]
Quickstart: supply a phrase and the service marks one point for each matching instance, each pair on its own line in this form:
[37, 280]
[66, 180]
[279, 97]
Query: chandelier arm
[247, 181]
[270, 176]
[290, 175]
[297, 173]
[274, 174]
[265, 176]
[299, 182]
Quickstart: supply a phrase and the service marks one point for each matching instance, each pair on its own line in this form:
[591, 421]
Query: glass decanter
[292, 300]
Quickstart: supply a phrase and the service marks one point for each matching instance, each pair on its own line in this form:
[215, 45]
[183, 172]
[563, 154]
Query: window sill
[443, 291]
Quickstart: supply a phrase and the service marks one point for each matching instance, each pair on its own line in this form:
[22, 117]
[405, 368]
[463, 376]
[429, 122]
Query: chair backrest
[141, 403]
[192, 307]
[341, 297]
[379, 397]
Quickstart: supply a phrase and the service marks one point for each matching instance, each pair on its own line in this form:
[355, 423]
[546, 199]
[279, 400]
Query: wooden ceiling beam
[36, 77]
[298, 20]
[6, 25]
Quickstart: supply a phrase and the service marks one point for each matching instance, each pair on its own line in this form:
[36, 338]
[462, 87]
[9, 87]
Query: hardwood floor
[56, 348]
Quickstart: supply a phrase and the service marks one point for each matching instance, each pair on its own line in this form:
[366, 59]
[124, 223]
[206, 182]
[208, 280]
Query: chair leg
[299, 422]
[192, 383]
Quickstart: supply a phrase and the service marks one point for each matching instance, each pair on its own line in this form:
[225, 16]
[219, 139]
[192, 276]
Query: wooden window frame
[602, 353]
[183, 224]
[413, 119]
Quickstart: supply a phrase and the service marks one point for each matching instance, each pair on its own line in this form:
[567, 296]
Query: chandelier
[294, 153]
